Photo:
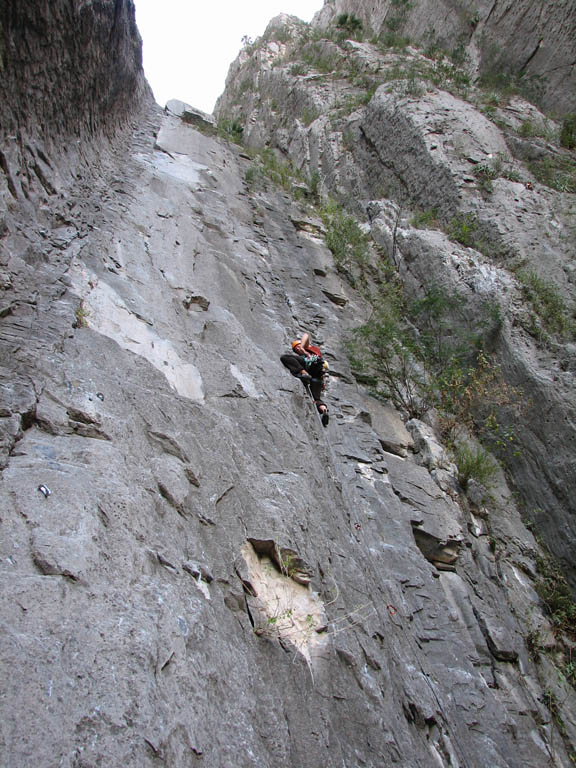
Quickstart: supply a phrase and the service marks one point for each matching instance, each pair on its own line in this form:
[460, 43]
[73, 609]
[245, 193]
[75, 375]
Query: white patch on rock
[520, 577]
[245, 381]
[203, 587]
[369, 474]
[179, 166]
[290, 611]
[108, 314]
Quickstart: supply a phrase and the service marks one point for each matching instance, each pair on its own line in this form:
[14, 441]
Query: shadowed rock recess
[194, 570]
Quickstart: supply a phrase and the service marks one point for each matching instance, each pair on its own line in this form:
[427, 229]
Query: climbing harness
[314, 365]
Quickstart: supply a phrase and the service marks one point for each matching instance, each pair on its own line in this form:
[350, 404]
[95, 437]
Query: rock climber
[306, 363]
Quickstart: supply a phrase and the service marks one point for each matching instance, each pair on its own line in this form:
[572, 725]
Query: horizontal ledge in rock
[335, 298]
[190, 114]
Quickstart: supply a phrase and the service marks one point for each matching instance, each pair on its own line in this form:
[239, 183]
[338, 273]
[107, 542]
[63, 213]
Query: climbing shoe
[325, 418]
[305, 378]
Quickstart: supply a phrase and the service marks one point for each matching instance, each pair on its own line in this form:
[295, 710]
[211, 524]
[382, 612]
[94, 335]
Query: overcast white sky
[189, 44]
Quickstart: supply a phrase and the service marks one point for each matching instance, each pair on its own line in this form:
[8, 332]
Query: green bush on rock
[474, 464]
[568, 132]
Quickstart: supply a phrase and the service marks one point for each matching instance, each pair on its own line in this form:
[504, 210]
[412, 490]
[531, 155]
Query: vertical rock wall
[71, 73]
[69, 68]
[193, 569]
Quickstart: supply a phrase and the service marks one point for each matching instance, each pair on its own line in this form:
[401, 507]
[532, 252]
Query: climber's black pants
[295, 365]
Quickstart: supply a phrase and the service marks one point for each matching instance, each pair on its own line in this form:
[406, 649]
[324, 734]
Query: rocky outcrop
[195, 570]
[427, 149]
[531, 41]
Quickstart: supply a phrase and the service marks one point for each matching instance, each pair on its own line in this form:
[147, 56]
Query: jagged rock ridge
[194, 571]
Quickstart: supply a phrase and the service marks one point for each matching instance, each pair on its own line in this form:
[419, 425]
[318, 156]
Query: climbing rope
[393, 613]
[324, 432]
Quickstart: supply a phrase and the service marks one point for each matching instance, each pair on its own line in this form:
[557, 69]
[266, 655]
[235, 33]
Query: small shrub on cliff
[425, 219]
[570, 672]
[314, 185]
[252, 176]
[414, 88]
[547, 303]
[351, 102]
[485, 175]
[568, 132]
[449, 77]
[268, 165]
[418, 358]
[498, 168]
[349, 27]
[475, 396]
[555, 593]
[556, 171]
[464, 229]
[298, 69]
[474, 464]
[81, 316]
[344, 237]
[382, 354]
[390, 39]
[508, 85]
[440, 343]
[309, 115]
[231, 130]
[531, 129]
[468, 230]
[324, 61]
[278, 171]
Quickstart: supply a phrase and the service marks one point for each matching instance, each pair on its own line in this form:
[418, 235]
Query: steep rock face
[194, 570]
[532, 39]
[425, 148]
[90, 54]
[72, 84]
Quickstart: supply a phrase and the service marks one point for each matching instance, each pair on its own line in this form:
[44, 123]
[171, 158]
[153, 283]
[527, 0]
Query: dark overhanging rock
[89, 53]
[287, 560]
[443, 554]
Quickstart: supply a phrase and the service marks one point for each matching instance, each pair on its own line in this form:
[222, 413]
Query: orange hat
[295, 344]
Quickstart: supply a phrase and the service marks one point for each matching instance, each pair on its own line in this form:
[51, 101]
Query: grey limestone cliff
[530, 40]
[194, 570]
[394, 126]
